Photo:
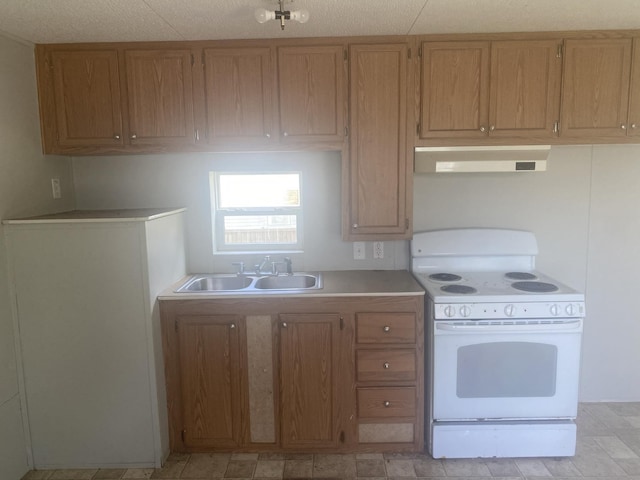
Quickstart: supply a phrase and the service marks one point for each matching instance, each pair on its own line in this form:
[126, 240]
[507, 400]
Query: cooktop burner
[536, 287]
[463, 289]
[445, 277]
[520, 276]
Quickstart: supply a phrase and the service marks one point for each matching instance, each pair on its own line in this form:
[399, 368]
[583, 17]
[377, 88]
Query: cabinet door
[525, 88]
[238, 90]
[595, 95]
[379, 193]
[311, 93]
[455, 89]
[309, 349]
[634, 100]
[86, 92]
[212, 379]
[160, 97]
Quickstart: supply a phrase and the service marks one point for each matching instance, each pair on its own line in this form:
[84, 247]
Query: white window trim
[218, 215]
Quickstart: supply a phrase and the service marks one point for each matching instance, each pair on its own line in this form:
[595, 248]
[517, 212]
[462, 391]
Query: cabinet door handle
[233, 325]
[268, 135]
[116, 136]
[285, 134]
[483, 129]
[386, 404]
[386, 328]
[623, 126]
[355, 225]
[492, 128]
[134, 136]
[633, 125]
[386, 365]
[284, 325]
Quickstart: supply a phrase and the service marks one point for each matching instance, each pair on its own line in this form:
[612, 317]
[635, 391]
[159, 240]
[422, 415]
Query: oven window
[507, 369]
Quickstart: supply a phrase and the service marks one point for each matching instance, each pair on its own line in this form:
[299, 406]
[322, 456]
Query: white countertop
[342, 283]
[92, 216]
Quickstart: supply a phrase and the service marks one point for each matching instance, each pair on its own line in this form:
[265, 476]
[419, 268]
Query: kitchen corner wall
[25, 189]
[584, 211]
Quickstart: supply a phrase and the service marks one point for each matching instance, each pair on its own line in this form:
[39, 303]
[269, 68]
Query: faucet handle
[240, 266]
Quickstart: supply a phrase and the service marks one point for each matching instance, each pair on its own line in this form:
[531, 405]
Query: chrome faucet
[260, 268]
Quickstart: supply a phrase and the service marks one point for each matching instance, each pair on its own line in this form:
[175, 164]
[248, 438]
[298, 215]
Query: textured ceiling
[52, 21]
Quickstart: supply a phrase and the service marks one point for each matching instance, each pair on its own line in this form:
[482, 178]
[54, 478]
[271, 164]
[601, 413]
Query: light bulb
[263, 15]
[301, 16]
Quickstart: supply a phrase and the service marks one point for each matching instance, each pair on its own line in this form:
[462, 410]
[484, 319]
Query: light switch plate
[358, 251]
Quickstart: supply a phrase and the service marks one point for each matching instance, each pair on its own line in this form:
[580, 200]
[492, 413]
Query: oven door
[526, 369]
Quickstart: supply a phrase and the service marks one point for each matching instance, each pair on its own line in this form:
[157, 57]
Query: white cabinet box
[84, 287]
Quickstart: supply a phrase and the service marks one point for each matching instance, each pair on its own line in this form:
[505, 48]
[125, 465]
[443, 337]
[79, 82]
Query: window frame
[219, 214]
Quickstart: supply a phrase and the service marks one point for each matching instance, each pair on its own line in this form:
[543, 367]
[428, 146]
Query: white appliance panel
[504, 439]
[501, 372]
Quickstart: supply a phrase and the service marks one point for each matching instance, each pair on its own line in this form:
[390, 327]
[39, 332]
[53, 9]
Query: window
[256, 211]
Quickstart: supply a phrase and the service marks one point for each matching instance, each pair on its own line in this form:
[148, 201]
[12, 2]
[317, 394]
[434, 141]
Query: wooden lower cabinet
[287, 374]
[212, 363]
[308, 358]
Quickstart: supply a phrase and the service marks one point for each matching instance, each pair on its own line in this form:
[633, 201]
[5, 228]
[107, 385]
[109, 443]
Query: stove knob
[449, 311]
[510, 310]
[465, 311]
[571, 310]
[554, 310]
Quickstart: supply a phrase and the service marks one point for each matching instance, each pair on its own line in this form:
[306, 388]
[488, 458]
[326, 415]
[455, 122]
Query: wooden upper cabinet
[525, 88]
[595, 95]
[455, 86]
[311, 87]
[238, 88]
[498, 89]
[212, 379]
[160, 99]
[309, 369]
[86, 99]
[634, 92]
[379, 191]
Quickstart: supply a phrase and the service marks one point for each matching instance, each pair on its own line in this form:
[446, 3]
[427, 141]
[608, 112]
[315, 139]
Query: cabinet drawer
[386, 402]
[386, 365]
[385, 328]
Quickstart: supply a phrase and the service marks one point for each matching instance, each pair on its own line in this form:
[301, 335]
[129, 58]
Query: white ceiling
[53, 21]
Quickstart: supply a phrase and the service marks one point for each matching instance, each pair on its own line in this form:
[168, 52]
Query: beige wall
[183, 181]
[25, 189]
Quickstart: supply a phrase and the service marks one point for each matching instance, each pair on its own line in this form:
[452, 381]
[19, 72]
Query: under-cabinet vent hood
[529, 158]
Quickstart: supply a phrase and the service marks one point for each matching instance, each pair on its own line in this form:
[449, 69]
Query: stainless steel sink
[215, 283]
[220, 282]
[286, 282]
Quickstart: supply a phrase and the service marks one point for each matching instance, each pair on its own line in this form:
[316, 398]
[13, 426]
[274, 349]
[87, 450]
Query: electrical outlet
[55, 188]
[358, 251]
[378, 249]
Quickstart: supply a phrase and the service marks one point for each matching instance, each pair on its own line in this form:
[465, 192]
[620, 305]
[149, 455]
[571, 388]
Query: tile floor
[608, 449]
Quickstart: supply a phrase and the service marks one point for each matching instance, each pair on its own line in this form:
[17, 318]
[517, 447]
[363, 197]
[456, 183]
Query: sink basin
[215, 283]
[285, 282]
[222, 282]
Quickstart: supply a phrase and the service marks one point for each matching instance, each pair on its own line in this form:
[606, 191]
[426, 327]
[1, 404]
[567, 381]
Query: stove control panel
[479, 311]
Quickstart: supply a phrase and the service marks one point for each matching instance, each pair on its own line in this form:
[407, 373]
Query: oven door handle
[538, 327]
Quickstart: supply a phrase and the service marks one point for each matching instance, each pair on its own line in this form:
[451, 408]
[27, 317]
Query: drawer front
[386, 327]
[387, 402]
[386, 365]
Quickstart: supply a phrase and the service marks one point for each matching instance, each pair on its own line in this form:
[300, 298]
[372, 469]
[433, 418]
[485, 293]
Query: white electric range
[502, 347]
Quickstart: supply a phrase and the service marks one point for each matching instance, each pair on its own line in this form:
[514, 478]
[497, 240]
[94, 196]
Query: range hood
[529, 158]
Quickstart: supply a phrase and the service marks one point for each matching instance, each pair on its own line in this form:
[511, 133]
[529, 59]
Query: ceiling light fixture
[263, 15]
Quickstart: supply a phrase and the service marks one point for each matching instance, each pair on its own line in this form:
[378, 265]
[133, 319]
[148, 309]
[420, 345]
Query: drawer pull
[386, 365]
[386, 403]
[386, 328]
